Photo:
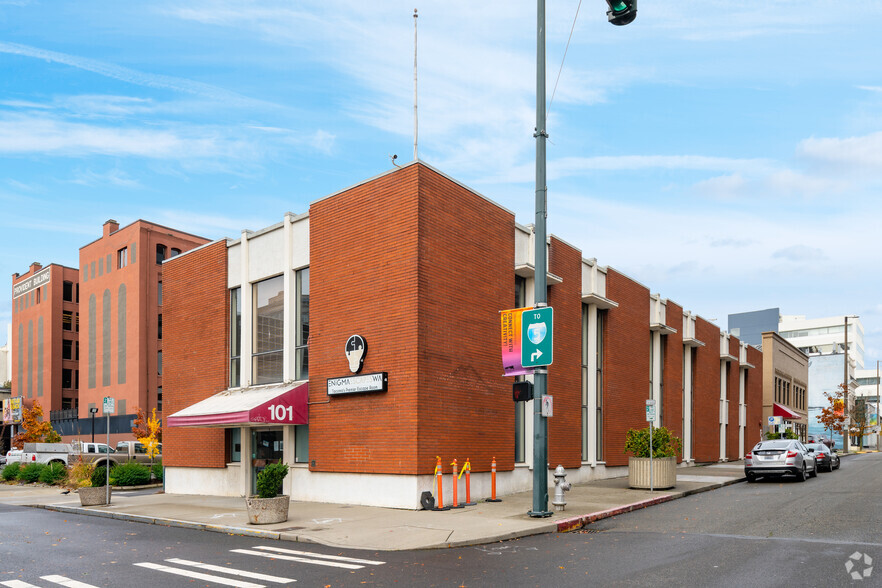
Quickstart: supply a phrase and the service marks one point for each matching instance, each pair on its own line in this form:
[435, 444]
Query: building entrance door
[266, 448]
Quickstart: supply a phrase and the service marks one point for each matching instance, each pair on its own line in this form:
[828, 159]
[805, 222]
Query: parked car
[779, 457]
[826, 458]
[13, 455]
[821, 439]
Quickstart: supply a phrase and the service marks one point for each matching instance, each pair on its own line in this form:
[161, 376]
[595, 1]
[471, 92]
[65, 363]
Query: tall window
[159, 293]
[159, 399]
[520, 408]
[586, 310]
[67, 349]
[67, 320]
[302, 336]
[159, 326]
[67, 292]
[235, 337]
[122, 258]
[269, 327]
[159, 362]
[160, 253]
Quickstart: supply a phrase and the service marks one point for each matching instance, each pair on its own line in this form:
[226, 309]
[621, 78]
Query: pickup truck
[98, 453]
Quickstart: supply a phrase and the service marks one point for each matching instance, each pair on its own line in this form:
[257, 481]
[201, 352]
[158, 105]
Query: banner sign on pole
[511, 343]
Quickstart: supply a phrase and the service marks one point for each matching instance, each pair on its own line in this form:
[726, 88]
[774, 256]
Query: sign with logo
[650, 410]
[108, 405]
[356, 349]
[536, 337]
[35, 281]
[511, 343]
[356, 384]
[15, 404]
[773, 420]
[547, 406]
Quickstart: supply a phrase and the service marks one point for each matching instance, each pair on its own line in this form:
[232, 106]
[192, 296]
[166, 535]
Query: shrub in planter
[54, 473]
[664, 444]
[269, 480]
[130, 474]
[157, 471]
[99, 477]
[80, 474]
[10, 472]
[31, 472]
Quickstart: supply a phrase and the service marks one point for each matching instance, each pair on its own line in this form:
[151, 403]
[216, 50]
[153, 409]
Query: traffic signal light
[621, 12]
[522, 391]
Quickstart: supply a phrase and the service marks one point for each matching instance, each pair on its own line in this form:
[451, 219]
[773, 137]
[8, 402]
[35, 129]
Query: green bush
[99, 477]
[269, 480]
[157, 471]
[10, 472]
[31, 472]
[664, 444]
[54, 473]
[130, 474]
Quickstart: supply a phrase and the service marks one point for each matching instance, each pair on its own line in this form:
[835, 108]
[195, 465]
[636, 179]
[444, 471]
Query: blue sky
[727, 154]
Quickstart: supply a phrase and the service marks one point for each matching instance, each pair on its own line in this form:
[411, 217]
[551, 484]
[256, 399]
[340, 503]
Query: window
[159, 362]
[160, 253]
[159, 293]
[159, 326]
[235, 337]
[598, 415]
[67, 349]
[233, 439]
[67, 320]
[122, 258]
[302, 335]
[268, 330]
[66, 378]
[301, 443]
[175, 252]
[39, 291]
[67, 291]
[159, 399]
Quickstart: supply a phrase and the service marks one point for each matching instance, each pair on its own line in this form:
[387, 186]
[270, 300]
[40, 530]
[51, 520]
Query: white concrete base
[385, 490]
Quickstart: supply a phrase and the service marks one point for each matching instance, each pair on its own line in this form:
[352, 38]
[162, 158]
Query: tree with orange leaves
[832, 416]
[34, 428]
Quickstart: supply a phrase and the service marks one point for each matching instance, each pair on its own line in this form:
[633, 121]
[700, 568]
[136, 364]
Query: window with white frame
[268, 331]
[301, 350]
[235, 337]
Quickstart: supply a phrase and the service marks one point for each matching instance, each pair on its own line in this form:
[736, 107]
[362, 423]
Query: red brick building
[401, 279]
[45, 338]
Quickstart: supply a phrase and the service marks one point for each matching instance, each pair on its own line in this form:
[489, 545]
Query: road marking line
[61, 580]
[319, 555]
[232, 572]
[17, 584]
[319, 562]
[198, 576]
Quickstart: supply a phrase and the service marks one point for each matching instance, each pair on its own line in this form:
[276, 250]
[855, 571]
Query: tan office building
[785, 381]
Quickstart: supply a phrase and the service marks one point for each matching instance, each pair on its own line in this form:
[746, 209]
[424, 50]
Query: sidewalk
[384, 529]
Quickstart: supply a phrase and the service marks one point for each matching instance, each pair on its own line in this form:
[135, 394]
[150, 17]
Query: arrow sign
[536, 336]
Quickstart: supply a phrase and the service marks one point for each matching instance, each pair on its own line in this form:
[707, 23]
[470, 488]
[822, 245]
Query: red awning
[281, 404]
[779, 410]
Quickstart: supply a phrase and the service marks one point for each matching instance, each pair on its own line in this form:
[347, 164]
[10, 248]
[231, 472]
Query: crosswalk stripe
[198, 575]
[232, 572]
[321, 555]
[67, 582]
[17, 584]
[319, 562]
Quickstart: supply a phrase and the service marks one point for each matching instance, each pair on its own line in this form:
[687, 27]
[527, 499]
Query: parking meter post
[107, 467]
[651, 481]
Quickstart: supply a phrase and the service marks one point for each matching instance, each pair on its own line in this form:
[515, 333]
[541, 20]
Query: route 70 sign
[537, 348]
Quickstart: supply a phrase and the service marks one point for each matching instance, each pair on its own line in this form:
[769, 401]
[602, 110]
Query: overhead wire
[563, 59]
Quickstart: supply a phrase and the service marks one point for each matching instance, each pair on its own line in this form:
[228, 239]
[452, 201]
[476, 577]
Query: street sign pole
[108, 407]
[540, 378]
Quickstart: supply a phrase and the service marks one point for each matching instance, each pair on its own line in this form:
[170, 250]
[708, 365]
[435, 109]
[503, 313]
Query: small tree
[154, 437]
[859, 421]
[34, 428]
[139, 427]
[832, 416]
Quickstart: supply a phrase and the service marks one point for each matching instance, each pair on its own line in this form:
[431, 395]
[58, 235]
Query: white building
[868, 386]
[6, 357]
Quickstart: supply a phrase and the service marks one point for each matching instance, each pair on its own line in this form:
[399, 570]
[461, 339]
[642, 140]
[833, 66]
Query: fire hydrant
[560, 486]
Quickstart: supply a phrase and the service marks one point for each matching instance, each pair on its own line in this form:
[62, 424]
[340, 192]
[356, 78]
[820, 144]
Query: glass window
[159, 362]
[235, 337]
[160, 253]
[159, 292]
[175, 252]
[159, 399]
[301, 443]
[66, 378]
[234, 445]
[67, 292]
[159, 326]
[598, 416]
[67, 320]
[302, 336]
[122, 258]
[268, 331]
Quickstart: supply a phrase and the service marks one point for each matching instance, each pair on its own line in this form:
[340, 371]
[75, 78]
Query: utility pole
[845, 389]
[878, 420]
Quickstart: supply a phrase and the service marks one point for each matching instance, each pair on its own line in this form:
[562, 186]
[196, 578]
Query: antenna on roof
[415, 120]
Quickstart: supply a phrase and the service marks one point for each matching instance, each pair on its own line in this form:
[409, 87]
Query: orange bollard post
[455, 489]
[439, 481]
[493, 482]
[467, 468]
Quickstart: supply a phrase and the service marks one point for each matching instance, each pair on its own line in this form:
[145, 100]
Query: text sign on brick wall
[536, 337]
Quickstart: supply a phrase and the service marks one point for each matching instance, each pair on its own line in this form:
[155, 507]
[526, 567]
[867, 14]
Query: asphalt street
[770, 533]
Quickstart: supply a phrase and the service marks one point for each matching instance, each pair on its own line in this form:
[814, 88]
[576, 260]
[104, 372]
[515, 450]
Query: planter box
[93, 496]
[664, 472]
[263, 511]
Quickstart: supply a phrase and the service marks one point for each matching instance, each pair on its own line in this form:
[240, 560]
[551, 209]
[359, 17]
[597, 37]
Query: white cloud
[863, 152]
[800, 253]
[114, 177]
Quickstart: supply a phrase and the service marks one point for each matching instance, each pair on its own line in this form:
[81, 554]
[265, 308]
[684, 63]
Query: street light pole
[878, 421]
[92, 412]
[846, 438]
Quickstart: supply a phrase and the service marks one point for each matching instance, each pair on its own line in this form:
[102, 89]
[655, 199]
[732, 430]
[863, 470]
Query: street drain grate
[289, 529]
[583, 531]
